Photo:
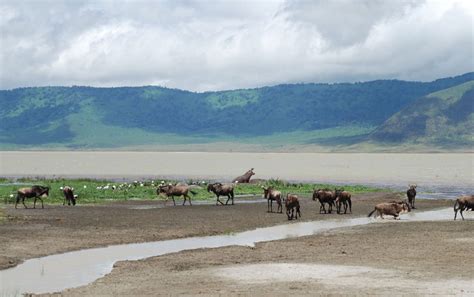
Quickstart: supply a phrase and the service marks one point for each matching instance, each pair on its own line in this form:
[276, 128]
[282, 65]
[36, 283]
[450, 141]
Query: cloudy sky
[215, 45]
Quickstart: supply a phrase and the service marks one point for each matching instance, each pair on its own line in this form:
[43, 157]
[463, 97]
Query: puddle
[58, 272]
[351, 277]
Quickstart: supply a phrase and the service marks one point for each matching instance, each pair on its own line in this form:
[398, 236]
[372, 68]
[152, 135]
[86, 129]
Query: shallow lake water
[437, 175]
[58, 272]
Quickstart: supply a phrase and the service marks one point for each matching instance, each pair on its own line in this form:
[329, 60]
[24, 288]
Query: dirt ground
[401, 251]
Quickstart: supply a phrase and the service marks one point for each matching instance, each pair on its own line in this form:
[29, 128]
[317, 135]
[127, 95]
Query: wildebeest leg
[321, 207]
[34, 204]
[42, 205]
[189, 199]
[460, 211]
[184, 201]
[218, 200]
[228, 198]
[64, 202]
[174, 201]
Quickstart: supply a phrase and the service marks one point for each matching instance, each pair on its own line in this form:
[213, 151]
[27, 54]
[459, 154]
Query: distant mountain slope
[86, 117]
[445, 117]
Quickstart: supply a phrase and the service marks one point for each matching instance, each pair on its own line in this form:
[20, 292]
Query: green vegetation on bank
[99, 191]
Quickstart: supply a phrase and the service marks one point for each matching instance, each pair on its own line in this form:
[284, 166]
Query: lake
[436, 174]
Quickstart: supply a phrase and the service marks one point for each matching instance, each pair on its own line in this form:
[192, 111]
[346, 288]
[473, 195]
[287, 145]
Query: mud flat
[32, 233]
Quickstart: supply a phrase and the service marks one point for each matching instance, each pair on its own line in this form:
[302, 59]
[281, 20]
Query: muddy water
[62, 271]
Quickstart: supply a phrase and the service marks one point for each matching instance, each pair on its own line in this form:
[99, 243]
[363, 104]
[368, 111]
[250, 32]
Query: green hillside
[298, 114]
[444, 118]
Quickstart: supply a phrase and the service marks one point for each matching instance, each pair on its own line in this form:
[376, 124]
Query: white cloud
[211, 45]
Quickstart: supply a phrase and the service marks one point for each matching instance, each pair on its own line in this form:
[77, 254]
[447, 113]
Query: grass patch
[99, 191]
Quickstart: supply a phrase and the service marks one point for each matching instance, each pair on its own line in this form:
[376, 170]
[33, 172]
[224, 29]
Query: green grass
[237, 98]
[88, 193]
[454, 93]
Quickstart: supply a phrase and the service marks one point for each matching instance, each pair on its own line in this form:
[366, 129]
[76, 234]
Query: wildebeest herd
[328, 199]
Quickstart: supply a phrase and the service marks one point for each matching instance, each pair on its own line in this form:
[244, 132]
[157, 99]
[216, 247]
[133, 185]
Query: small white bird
[11, 195]
[61, 188]
[85, 187]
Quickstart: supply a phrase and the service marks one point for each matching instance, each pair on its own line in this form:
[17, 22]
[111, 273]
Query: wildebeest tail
[192, 192]
[371, 213]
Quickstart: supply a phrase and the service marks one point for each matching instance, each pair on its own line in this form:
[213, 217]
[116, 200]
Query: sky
[218, 45]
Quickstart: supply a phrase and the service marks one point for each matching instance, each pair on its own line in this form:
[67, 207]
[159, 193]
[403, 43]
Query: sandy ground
[413, 258]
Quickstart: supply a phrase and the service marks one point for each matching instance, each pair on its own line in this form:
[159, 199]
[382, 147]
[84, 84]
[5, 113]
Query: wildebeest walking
[175, 190]
[292, 204]
[69, 196]
[272, 195]
[325, 196]
[463, 203]
[411, 194]
[343, 198]
[222, 190]
[244, 179]
[34, 192]
[391, 208]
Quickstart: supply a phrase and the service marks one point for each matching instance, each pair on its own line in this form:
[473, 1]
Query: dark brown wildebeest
[343, 197]
[463, 203]
[411, 194]
[391, 208]
[272, 195]
[325, 196]
[222, 190]
[292, 204]
[69, 196]
[34, 192]
[244, 179]
[171, 191]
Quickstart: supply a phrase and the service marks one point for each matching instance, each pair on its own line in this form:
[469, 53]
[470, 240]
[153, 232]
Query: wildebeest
[343, 197]
[175, 190]
[272, 195]
[463, 203]
[391, 208]
[222, 190]
[244, 179]
[411, 194]
[69, 196]
[34, 192]
[292, 204]
[325, 196]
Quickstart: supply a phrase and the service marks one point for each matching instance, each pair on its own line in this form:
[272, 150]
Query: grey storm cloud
[215, 45]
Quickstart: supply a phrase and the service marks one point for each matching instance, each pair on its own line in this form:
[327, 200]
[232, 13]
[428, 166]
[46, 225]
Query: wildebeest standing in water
[292, 205]
[325, 196]
[463, 203]
[171, 191]
[411, 194]
[272, 195]
[244, 179]
[222, 190]
[392, 209]
[69, 196]
[34, 192]
[343, 198]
